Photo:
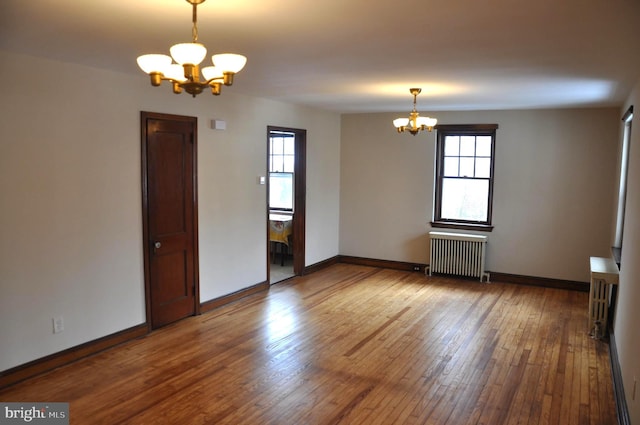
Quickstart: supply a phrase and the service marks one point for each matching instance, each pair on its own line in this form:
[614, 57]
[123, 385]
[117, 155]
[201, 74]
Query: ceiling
[362, 55]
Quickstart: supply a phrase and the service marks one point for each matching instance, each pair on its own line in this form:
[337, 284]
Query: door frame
[299, 198]
[146, 241]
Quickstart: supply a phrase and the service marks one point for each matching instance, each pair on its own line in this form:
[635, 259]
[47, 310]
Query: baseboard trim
[495, 276]
[321, 265]
[227, 299]
[618, 388]
[385, 264]
[540, 281]
[61, 358]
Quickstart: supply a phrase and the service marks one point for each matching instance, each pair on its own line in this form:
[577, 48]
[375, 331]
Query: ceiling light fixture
[415, 123]
[185, 73]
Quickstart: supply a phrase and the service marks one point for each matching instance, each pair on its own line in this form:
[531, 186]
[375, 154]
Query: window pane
[467, 145]
[277, 163]
[451, 145]
[288, 164]
[281, 190]
[466, 167]
[483, 146]
[288, 146]
[451, 167]
[277, 146]
[465, 199]
[483, 167]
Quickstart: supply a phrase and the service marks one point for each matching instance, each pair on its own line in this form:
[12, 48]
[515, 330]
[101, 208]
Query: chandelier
[415, 123]
[184, 74]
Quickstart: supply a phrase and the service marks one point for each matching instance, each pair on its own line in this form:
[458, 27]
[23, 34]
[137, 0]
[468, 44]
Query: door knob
[157, 245]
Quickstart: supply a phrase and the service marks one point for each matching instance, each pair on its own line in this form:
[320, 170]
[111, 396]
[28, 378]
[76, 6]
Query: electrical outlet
[58, 324]
[416, 268]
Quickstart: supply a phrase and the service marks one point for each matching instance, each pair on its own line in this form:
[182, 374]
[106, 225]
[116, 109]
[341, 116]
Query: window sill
[462, 226]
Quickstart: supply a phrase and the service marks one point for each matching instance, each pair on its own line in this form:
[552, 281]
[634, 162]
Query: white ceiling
[359, 55]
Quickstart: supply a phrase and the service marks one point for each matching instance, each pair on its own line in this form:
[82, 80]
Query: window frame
[284, 134]
[462, 130]
[621, 201]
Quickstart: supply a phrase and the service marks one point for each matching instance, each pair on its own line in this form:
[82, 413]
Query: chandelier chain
[194, 30]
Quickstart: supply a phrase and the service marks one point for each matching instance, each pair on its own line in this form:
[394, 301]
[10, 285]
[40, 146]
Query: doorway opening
[286, 188]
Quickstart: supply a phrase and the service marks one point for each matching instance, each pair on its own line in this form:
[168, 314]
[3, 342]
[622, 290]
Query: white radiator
[457, 254]
[598, 308]
[604, 273]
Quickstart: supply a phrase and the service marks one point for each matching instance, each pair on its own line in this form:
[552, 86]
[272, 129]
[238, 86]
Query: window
[622, 182]
[464, 176]
[281, 191]
[281, 163]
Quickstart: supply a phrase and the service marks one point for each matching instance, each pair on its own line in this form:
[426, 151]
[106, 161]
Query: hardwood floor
[353, 345]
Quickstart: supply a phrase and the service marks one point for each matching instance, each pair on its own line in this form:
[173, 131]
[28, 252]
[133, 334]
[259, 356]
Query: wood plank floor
[353, 345]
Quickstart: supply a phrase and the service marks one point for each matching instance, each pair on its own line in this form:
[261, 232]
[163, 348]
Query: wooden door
[170, 217]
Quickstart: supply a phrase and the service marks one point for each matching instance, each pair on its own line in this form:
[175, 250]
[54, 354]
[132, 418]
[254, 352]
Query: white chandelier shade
[154, 63]
[401, 122]
[188, 53]
[175, 71]
[211, 72]
[229, 62]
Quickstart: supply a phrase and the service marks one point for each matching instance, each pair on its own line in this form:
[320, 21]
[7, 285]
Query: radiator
[598, 308]
[458, 254]
[604, 274]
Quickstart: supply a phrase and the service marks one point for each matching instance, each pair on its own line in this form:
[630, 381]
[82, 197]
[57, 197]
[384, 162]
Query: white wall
[554, 174]
[626, 329]
[70, 198]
